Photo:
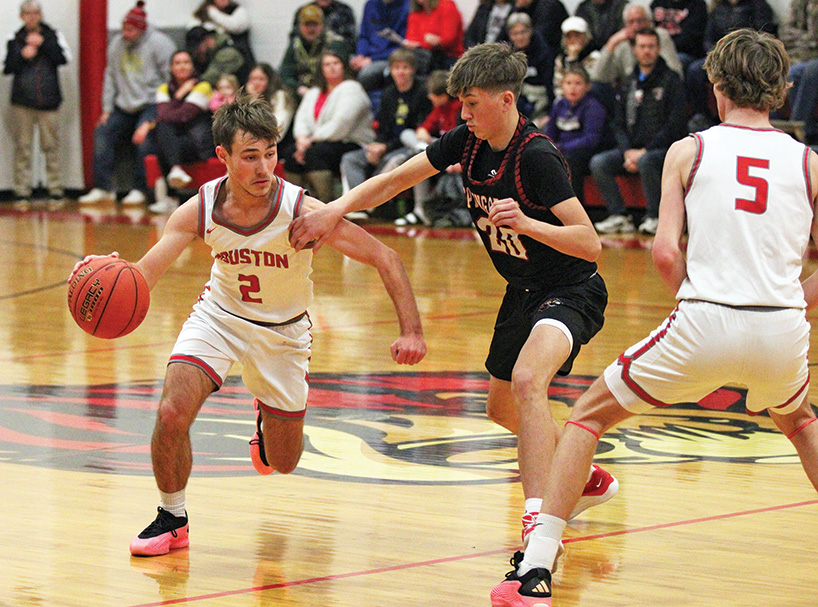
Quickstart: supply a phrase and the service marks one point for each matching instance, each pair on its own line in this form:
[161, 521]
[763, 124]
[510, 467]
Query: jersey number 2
[252, 286]
[743, 166]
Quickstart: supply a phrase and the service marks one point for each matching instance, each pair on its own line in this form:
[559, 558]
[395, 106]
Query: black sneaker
[257, 454]
[530, 590]
[167, 532]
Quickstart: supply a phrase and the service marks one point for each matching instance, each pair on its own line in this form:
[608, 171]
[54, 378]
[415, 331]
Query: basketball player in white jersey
[748, 194]
[253, 310]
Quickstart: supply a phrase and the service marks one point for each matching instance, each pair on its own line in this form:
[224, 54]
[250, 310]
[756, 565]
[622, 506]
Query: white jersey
[749, 216]
[256, 274]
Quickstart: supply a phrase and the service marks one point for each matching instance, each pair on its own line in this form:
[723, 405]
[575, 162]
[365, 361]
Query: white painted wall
[271, 20]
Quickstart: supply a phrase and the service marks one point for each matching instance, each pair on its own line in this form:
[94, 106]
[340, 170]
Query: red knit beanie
[137, 17]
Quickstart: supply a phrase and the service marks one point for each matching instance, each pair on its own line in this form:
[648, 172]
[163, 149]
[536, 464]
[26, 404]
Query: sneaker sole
[595, 500]
[506, 594]
[255, 454]
[161, 544]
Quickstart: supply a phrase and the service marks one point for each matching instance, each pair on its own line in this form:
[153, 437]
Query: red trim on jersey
[263, 223]
[807, 176]
[281, 413]
[201, 227]
[627, 360]
[697, 162]
[752, 128]
[198, 362]
[297, 207]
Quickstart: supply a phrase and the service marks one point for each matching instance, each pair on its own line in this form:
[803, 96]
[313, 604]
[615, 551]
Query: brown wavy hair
[750, 68]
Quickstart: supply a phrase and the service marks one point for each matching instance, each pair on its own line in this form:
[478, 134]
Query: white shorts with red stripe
[703, 346]
[275, 359]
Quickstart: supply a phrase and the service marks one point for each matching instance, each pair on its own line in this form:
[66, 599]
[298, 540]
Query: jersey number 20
[743, 166]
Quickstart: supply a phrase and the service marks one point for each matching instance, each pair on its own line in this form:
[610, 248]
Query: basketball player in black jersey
[540, 240]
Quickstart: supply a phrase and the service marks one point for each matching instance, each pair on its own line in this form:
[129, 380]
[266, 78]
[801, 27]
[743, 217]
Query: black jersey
[531, 171]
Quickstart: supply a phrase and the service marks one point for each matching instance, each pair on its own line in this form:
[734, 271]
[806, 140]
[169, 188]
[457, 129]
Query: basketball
[108, 297]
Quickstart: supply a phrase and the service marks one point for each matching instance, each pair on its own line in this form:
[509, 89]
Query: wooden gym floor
[406, 494]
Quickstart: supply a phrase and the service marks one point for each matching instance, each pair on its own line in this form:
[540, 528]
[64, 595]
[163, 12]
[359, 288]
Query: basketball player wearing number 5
[253, 310]
[748, 193]
[540, 240]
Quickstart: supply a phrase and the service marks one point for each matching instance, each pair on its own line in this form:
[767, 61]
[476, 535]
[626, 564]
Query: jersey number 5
[743, 166]
[252, 287]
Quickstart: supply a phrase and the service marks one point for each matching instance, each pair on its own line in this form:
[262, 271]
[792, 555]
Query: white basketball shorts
[703, 346]
[275, 360]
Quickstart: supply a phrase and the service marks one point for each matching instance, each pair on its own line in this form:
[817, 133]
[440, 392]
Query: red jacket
[444, 21]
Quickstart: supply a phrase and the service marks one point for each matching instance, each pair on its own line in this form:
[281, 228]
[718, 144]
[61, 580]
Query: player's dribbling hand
[507, 213]
[86, 259]
[312, 229]
[408, 349]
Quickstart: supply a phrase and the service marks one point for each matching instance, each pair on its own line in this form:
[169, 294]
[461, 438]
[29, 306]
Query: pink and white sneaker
[599, 489]
[167, 532]
[257, 455]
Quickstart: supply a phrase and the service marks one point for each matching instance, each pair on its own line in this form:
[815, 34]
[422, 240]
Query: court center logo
[413, 428]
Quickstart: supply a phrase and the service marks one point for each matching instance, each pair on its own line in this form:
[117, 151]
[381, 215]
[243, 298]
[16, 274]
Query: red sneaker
[599, 489]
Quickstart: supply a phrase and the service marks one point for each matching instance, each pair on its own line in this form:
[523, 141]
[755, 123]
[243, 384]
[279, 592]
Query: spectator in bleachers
[430, 196]
[383, 28]
[301, 65]
[333, 118]
[488, 23]
[546, 18]
[725, 16]
[576, 51]
[338, 19]
[800, 36]
[229, 18]
[537, 90]
[434, 30]
[685, 21]
[214, 54]
[577, 125]
[650, 115]
[137, 62]
[404, 105]
[617, 58]
[604, 19]
[182, 129]
[34, 54]
[225, 91]
[265, 82]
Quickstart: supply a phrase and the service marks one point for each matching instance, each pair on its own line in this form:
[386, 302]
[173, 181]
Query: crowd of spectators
[612, 85]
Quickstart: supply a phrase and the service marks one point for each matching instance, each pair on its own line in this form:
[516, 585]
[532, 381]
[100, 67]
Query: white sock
[533, 504]
[543, 545]
[173, 502]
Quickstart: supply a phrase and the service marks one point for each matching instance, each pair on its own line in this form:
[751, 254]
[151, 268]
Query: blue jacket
[379, 15]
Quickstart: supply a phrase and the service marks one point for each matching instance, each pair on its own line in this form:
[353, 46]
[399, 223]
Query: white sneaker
[178, 179]
[410, 219]
[134, 197]
[166, 206]
[649, 225]
[615, 224]
[96, 195]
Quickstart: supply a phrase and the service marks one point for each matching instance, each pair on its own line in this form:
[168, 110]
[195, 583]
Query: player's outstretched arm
[181, 229]
[354, 242]
[313, 228]
[810, 284]
[667, 250]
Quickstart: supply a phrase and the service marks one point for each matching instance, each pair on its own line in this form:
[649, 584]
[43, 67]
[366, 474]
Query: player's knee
[529, 385]
[173, 416]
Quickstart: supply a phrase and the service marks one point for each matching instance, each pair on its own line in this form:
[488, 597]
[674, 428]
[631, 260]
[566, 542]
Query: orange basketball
[108, 297]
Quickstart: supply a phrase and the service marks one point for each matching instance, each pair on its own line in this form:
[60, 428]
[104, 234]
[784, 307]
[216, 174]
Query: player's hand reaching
[85, 260]
[507, 213]
[408, 349]
[312, 229]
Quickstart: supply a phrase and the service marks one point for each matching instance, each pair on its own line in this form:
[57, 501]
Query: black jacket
[36, 82]
[650, 113]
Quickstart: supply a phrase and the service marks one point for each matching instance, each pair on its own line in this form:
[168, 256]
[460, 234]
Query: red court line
[463, 557]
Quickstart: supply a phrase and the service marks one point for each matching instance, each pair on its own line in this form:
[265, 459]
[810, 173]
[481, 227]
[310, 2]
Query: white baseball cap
[574, 24]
